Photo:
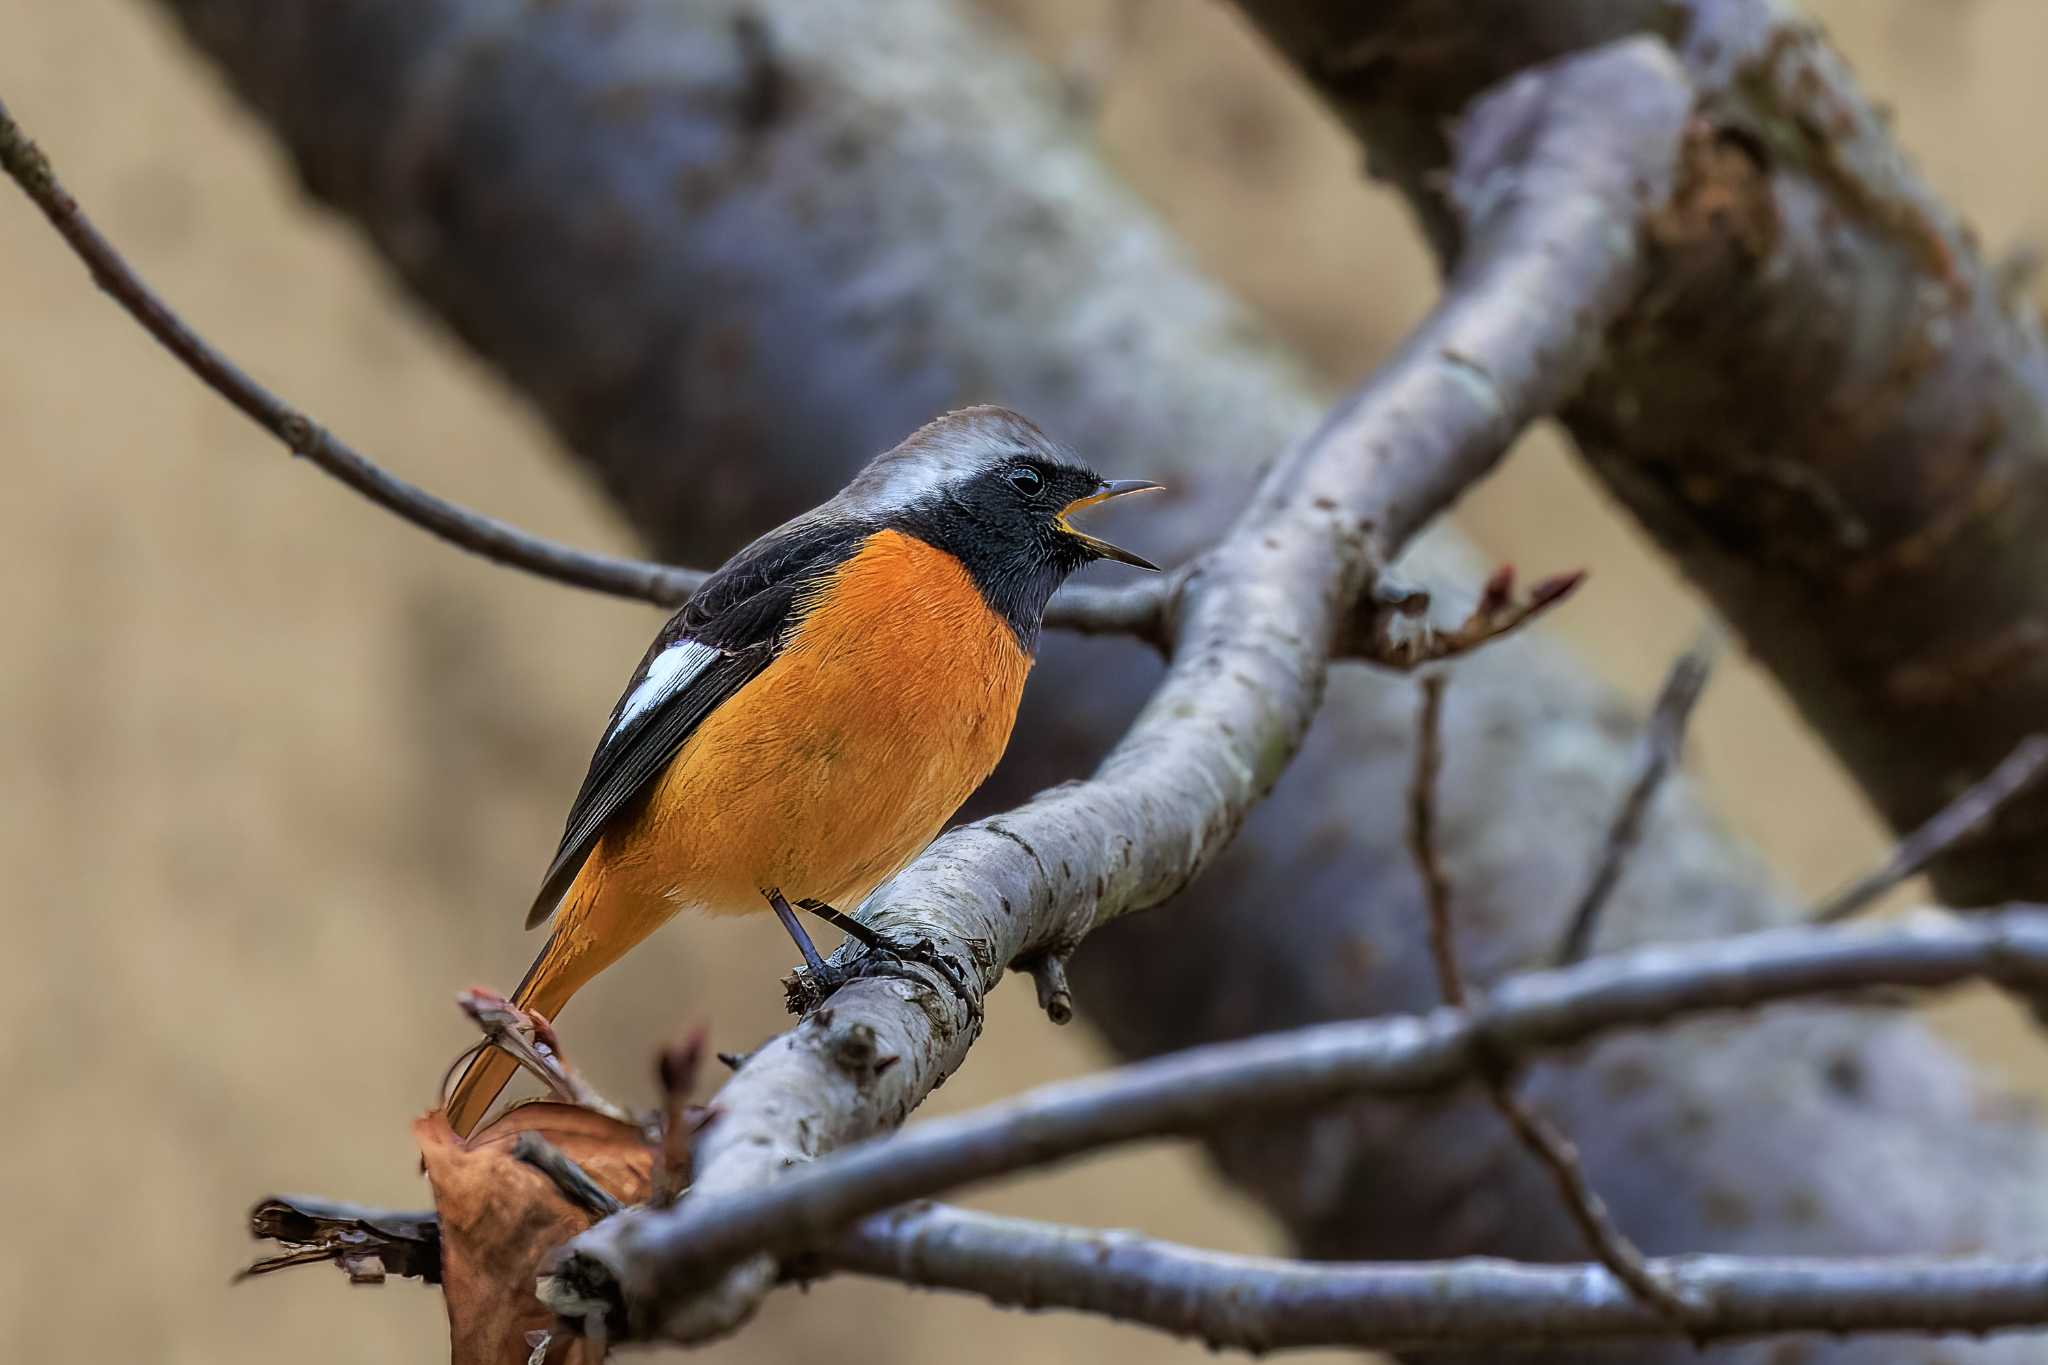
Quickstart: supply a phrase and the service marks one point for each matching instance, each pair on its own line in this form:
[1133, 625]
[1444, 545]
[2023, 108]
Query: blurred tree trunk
[731, 247]
[1833, 418]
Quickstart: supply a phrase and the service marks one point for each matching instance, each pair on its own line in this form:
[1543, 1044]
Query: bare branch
[1436, 883]
[1258, 1304]
[1140, 611]
[1257, 621]
[1891, 570]
[1947, 827]
[1538, 1135]
[1663, 744]
[845, 1211]
[495, 540]
[1189, 1091]
[1144, 610]
[1613, 1248]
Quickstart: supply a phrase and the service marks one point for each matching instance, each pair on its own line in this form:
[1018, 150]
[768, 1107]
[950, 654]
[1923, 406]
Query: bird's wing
[722, 638]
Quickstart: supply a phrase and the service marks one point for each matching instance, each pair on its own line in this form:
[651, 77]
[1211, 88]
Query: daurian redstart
[808, 722]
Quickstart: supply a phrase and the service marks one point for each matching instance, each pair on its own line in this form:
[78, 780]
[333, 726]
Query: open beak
[1102, 549]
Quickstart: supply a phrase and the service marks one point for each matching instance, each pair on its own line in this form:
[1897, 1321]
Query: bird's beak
[1102, 549]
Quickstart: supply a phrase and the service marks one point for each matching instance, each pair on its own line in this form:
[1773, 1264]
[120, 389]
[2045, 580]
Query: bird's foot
[808, 987]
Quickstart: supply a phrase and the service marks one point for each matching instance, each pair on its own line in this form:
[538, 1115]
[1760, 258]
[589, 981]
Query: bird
[819, 709]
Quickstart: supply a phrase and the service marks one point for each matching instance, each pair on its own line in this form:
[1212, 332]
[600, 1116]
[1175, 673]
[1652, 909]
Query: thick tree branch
[1555, 186]
[1832, 416]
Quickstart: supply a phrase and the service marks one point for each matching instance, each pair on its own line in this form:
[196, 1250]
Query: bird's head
[998, 494]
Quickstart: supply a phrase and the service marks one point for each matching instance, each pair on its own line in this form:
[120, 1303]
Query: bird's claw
[807, 989]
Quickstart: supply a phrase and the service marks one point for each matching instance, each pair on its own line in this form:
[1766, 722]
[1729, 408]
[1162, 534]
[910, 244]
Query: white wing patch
[672, 670]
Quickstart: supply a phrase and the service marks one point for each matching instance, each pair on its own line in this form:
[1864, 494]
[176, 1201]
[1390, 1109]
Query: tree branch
[1662, 746]
[1260, 1304]
[1556, 260]
[1189, 1091]
[1831, 415]
[852, 1210]
[1141, 611]
[872, 231]
[498, 541]
[1144, 611]
[1540, 1137]
[1961, 818]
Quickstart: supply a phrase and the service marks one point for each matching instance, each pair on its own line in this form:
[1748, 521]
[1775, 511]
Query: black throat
[1016, 563]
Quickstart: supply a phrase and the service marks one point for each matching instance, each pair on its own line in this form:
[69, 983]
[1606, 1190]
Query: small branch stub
[1049, 977]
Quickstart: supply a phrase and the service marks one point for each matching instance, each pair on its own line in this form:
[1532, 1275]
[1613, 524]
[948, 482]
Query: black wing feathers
[745, 611]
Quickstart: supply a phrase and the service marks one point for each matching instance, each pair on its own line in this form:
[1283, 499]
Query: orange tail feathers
[584, 942]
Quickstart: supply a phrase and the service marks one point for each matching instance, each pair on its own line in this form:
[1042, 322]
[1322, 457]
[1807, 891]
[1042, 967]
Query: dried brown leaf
[500, 1218]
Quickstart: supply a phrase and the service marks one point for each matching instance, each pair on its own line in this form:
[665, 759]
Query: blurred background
[278, 772]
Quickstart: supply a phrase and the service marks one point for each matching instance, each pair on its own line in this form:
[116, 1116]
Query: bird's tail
[579, 947]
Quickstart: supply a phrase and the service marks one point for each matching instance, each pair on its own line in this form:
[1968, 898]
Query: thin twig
[572, 1180]
[676, 1070]
[1611, 1246]
[495, 540]
[1663, 743]
[1543, 1139]
[531, 1041]
[1949, 826]
[1201, 1087]
[1394, 631]
[1422, 842]
[1142, 610]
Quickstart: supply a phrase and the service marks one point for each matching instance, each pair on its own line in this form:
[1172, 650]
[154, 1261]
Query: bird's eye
[1025, 479]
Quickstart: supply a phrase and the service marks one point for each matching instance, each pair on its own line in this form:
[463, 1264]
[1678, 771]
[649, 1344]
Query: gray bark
[732, 248]
[1833, 418]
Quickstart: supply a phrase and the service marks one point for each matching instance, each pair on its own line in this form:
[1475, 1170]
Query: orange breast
[844, 757]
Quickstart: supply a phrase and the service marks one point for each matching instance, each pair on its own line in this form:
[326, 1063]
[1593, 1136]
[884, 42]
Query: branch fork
[1256, 625]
